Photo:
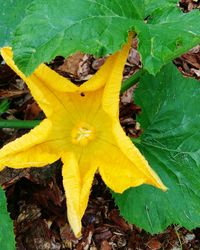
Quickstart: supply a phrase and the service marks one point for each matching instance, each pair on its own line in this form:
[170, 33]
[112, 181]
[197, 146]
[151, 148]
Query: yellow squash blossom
[82, 128]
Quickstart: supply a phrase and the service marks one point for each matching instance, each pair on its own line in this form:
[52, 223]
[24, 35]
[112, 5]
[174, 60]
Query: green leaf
[7, 238]
[59, 27]
[167, 34]
[171, 120]
[4, 105]
[12, 12]
[152, 5]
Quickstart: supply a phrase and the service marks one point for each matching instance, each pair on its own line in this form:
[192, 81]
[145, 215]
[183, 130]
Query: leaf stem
[132, 80]
[18, 124]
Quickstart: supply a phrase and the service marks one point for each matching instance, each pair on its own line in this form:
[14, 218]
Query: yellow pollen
[82, 134]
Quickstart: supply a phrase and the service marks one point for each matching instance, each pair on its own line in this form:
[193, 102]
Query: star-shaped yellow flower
[82, 128]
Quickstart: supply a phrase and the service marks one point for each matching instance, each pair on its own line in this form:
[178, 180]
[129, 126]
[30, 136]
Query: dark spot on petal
[82, 94]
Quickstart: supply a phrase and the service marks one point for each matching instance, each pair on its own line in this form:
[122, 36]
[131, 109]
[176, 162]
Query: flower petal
[40, 83]
[110, 100]
[119, 173]
[127, 165]
[99, 79]
[29, 150]
[54, 80]
[77, 189]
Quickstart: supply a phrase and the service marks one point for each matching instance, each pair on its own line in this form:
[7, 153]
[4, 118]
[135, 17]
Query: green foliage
[152, 5]
[4, 105]
[170, 142]
[167, 34]
[7, 238]
[58, 27]
[12, 12]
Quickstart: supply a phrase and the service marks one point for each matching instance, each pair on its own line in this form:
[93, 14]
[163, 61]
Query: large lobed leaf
[59, 27]
[7, 238]
[12, 12]
[171, 120]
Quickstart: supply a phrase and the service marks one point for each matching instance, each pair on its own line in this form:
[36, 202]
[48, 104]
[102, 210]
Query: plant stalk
[131, 81]
[18, 124]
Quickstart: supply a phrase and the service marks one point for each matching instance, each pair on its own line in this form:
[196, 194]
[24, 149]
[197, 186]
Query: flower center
[82, 134]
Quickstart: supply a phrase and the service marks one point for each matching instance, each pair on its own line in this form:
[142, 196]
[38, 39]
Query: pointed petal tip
[164, 188]
[76, 227]
[78, 234]
[161, 186]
